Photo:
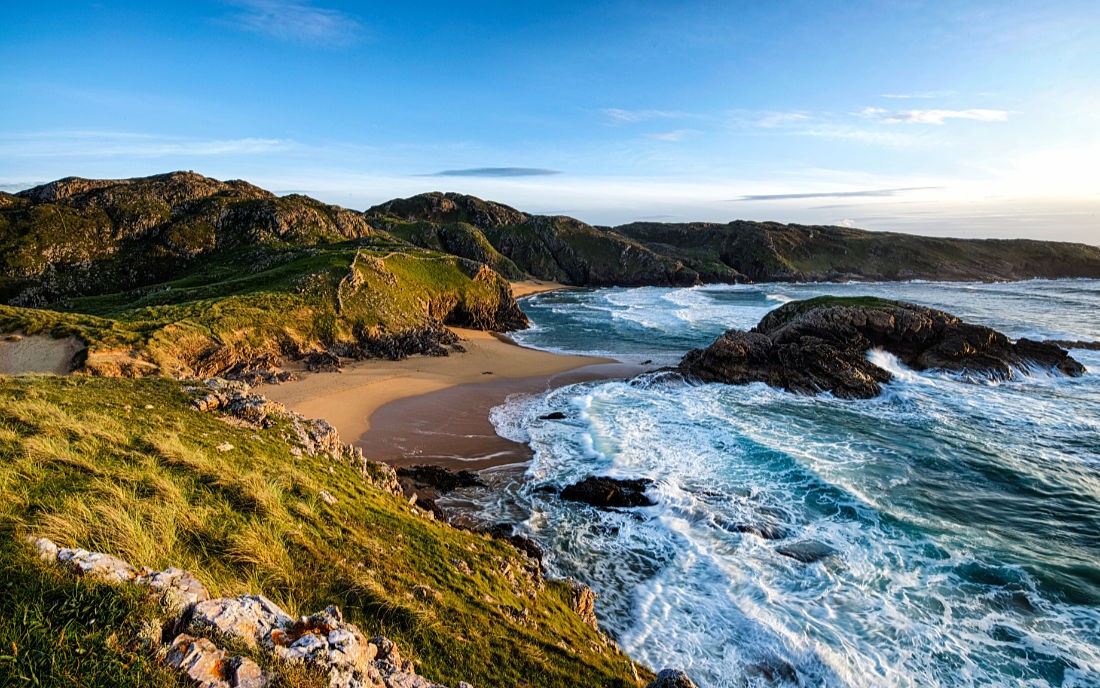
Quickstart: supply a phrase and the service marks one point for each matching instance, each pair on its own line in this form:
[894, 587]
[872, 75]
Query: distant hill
[652, 253]
[770, 251]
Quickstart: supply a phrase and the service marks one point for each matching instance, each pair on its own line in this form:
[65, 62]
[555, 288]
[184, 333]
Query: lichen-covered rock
[210, 667]
[251, 618]
[821, 345]
[177, 586]
[43, 547]
[583, 601]
[323, 640]
[98, 565]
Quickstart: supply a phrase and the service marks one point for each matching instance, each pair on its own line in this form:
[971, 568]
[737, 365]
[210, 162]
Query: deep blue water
[963, 516]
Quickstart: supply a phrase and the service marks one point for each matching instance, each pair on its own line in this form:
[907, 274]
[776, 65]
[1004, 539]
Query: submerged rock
[806, 551]
[609, 492]
[821, 345]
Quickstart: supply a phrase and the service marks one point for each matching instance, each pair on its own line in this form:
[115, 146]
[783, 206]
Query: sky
[952, 118]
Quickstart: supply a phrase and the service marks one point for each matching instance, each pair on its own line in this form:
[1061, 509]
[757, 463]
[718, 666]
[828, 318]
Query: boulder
[177, 586]
[96, 564]
[806, 551]
[821, 345]
[211, 667]
[671, 678]
[607, 492]
[251, 618]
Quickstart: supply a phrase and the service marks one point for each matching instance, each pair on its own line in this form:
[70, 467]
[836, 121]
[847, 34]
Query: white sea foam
[952, 510]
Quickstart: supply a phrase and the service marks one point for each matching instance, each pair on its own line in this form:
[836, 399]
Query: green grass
[793, 309]
[83, 462]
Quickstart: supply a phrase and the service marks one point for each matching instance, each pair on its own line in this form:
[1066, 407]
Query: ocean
[959, 518]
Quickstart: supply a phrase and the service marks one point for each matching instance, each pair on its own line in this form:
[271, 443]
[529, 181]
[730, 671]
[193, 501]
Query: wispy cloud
[920, 95]
[677, 135]
[833, 194]
[932, 116]
[297, 22]
[114, 144]
[771, 120]
[619, 115]
[495, 172]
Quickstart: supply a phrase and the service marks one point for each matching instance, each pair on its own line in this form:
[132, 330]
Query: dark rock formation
[439, 478]
[821, 345]
[424, 484]
[1074, 344]
[806, 551]
[671, 678]
[609, 492]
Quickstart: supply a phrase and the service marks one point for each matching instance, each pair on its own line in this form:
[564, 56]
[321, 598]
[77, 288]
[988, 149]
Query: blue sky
[952, 118]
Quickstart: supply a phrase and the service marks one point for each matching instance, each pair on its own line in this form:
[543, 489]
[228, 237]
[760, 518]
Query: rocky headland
[822, 345]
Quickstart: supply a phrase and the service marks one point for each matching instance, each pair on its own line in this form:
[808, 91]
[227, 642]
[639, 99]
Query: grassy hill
[127, 467]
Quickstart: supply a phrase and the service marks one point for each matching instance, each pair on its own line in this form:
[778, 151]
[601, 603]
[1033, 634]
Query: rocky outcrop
[821, 345]
[607, 492]
[423, 485]
[312, 436]
[672, 678]
[323, 640]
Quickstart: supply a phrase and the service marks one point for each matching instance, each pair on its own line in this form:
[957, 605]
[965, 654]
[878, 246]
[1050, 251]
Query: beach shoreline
[435, 410]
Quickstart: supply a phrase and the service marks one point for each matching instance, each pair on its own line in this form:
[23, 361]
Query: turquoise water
[962, 517]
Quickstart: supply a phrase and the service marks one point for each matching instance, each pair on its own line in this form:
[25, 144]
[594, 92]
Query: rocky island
[821, 345]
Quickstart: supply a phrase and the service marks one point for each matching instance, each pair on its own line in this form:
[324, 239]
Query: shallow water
[958, 521]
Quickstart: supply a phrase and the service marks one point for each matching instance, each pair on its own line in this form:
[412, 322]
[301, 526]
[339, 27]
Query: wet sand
[451, 427]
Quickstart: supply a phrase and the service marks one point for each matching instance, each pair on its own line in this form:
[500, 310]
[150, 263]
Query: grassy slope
[84, 462]
[244, 311]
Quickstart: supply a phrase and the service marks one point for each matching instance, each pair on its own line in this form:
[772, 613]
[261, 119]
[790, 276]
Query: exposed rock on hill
[323, 640]
[821, 345]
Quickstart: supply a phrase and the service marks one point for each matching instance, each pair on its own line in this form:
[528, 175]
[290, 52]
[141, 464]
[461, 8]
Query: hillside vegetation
[128, 467]
[183, 275]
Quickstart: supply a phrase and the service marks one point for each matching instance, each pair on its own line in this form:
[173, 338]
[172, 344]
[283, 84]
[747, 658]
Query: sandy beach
[435, 409]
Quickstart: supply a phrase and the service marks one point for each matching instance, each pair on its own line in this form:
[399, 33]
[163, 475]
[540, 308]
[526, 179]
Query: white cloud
[298, 22]
[932, 116]
[677, 135]
[84, 144]
[619, 115]
[922, 95]
[776, 119]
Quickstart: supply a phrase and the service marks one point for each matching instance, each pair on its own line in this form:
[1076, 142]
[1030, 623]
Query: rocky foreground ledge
[821, 345]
